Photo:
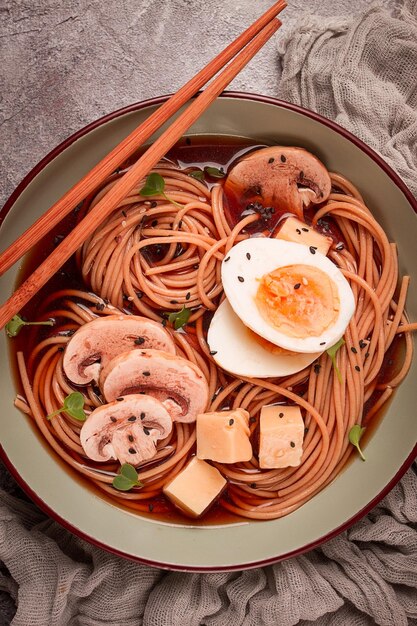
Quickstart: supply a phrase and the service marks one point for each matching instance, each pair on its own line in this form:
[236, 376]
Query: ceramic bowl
[389, 452]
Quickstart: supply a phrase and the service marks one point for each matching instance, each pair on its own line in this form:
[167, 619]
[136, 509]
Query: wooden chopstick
[136, 173]
[130, 144]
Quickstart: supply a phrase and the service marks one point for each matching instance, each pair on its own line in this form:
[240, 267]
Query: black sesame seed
[340, 246]
[271, 160]
[139, 341]
[227, 259]
[252, 485]
[174, 301]
[120, 399]
[180, 224]
[312, 249]
[196, 266]
[113, 419]
[132, 418]
[164, 322]
[146, 431]
[297, 286]
[317, 368]
[323, 343]
[132, 451]
[142, 415]
[124, 213]
[305, 230]
[139, 294]
[292, 444]
[131, 438]
[362, 344]
[154, 223]
[280, 414]
[231, 422]
[298, 231]
[213, 352]
[146, 373]
[100, 306]
[353, 349]
[252, 420]
[188, 296]
[60, 349]
[248, 256]
[241, 279]
[306, 430]
[366, 355]
[283, 159]
[154, 204]
[357, 368]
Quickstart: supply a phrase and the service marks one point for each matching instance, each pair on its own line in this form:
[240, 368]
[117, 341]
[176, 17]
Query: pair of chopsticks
[241, 51]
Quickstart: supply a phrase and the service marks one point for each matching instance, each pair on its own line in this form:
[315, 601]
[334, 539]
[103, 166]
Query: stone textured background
[66, 63]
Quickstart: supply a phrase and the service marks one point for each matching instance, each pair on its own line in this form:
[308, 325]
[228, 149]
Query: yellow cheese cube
[298, 232]
[195, 488]
[224, 436]
[281, 437]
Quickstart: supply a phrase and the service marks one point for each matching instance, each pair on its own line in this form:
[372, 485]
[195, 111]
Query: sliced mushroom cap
[176, 382]
[126, 430]
[97, 342]
[286, 178]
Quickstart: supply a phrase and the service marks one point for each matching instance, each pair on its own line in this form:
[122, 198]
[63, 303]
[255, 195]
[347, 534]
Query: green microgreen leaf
[214, 172]
[179, 318]
[197, 174]
[128, 471]
[332, 354]
[127, 478]
[154, 186]
[73, 405]
[355, 435]
[122, 483]
[16, 324]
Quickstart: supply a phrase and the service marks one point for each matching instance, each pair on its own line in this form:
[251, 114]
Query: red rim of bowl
[81, 133]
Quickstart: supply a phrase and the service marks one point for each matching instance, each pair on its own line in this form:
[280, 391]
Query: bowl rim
[137, 106]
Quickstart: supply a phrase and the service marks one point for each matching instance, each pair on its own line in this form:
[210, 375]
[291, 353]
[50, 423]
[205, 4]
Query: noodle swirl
[154, 257]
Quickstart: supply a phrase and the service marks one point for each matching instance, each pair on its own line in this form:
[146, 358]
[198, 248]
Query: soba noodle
[152, 257]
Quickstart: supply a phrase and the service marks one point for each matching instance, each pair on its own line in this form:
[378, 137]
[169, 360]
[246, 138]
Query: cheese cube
[224, 436]
[195, 488]
[298, 232]
[281, 437]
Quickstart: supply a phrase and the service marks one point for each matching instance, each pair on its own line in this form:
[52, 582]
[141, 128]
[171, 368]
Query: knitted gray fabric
[361, 73]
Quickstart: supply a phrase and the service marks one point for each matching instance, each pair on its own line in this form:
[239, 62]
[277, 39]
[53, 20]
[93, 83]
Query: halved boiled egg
[237, 349]
[288, 293]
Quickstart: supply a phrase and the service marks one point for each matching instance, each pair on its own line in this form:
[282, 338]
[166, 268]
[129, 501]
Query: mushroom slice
[97, 342]
[126, 430]
[178, 383]
[286, 178]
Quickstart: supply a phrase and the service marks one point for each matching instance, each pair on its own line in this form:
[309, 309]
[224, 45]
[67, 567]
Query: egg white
[251, 259]
[236, 351]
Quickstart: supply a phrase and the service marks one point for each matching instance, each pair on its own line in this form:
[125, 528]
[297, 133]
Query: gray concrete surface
[66, 63]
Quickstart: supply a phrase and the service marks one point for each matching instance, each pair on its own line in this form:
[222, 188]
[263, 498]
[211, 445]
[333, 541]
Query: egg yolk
[298, 300]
